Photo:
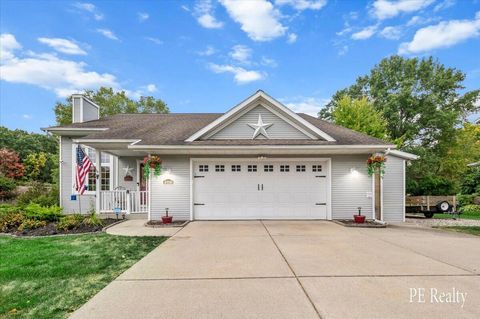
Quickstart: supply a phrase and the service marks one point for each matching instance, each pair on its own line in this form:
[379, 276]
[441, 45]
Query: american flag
[83, 167]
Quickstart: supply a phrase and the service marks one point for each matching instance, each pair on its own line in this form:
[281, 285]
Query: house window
[300, 168]
[219, 168]
[203, 168]
[236, 168]
[252, 168]
[316, 168]
[106, 177]
[268, 168]
[284, 168]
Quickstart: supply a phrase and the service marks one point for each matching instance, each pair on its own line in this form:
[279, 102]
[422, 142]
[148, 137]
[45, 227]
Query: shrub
[464, 200]
[31, 224]
[51, 213]
[470, 210]
[471, 181]
[11, 221]
[8, 208]
[10, 165]
[40, 194]
[7, 186]
[93, 220]
[431, 185]
[70, 222]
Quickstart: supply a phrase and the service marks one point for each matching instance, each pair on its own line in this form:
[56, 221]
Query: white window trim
[74, 164]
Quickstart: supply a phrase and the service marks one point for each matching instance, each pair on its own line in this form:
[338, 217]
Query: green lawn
[473, 230]
[50, 277]
[461, 216]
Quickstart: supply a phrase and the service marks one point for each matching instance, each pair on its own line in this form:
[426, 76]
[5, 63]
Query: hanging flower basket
[152, 162]
[376, 163]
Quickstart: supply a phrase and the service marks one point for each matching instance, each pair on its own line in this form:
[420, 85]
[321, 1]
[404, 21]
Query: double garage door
[243, 189]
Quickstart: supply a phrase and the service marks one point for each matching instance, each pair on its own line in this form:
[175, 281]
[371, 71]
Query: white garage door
[239, 189]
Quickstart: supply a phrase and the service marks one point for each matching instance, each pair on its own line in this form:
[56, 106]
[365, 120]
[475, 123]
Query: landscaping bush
[93, 220]
[39, 194]
[464, 200]
[11, 221]
[51, 213]
[70, 222]
[7, 187]
[470, 210]
[31, 224]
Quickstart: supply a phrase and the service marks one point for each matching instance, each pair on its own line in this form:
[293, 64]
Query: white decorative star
[260, 127]
[128, 170]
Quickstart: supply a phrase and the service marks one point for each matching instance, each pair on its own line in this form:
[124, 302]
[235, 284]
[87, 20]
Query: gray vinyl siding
[350, 190]
[90, 112]
[76, 110]
[132, 163]
[67, 182]
[239, 129]
[393, 190]
[176, 196]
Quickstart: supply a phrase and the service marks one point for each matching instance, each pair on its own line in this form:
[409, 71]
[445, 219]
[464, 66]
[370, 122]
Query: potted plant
[152, 162]
[376, 163]
[167, 219]
[359, 219]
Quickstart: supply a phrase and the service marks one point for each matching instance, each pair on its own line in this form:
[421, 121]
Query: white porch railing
[129, 202]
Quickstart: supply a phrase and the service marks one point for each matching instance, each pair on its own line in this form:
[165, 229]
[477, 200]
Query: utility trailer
[430, 205]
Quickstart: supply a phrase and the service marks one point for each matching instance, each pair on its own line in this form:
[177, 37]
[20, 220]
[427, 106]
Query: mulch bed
[367, 224]
[159, 223]
[50, 229]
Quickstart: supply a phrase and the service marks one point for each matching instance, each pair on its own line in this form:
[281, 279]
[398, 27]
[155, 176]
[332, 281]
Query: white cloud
[63, 46]
[209, 50]
[307, 105]
[418, 20]
[259, 19]
[343, 50]
[241, 53]
[391, 33]
[152, 88]
[442, 35]
[185, 8]
[89, 7]
[444, 5]
[365, 33]
[292, 38]
[268, 62]
[27, 116]
[205, 16]
[241, 76]
[384, 9]
[61, 76]
[154, 40]
[8, 44]
[142, 16]
[303, 4]
[108, 34]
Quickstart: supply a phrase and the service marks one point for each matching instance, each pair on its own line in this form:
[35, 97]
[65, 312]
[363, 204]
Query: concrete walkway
[136, 227]
[296, 269]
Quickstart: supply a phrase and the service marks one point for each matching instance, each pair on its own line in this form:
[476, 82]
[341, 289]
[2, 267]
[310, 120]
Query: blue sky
[205, 56]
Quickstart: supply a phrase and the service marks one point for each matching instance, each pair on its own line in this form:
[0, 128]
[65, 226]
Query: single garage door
[241, 189]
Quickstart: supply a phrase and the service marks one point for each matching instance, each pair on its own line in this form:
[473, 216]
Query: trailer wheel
[428, 214]
[444, 207]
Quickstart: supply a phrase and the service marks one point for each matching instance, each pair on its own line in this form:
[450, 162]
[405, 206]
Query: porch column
[98, 186]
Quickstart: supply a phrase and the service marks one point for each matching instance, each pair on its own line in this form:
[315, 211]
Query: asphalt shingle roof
[175, 128]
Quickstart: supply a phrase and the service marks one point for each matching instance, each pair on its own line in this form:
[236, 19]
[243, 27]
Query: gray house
[259, 160]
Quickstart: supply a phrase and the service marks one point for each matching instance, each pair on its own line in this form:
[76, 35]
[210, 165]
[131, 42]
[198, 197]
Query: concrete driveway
[298, 269]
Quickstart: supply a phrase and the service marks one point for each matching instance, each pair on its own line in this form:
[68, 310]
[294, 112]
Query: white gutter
[401, 154]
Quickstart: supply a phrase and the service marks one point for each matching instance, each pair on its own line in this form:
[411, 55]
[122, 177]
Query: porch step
[137, 216]
[128, 216]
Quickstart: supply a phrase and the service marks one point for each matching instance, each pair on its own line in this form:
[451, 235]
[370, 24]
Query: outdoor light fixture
[261, 157]
[353, 171]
